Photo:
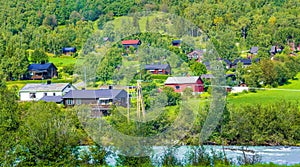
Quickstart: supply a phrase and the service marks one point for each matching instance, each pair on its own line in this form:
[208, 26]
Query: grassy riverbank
[290, 91]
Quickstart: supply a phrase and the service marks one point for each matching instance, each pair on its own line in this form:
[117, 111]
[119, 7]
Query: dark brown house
[158, 68]
[42, 71]
[100, 100]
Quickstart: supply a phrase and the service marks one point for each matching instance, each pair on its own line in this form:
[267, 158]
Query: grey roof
[197, 51]
[207, 76]
[156, 66]
[182, 80]
[176, 42]
[254, 50]
[56, 99]
[244, 61]
[53, 87]
[273, 49]
[92, 94]
[228, 62]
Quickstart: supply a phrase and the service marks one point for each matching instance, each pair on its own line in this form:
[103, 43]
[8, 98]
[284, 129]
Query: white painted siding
[25, 96]
[239, 89]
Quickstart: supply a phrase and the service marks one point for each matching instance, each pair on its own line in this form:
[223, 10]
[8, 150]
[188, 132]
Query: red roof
[130, 42]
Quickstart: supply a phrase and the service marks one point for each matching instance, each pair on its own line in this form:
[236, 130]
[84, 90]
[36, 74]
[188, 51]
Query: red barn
[181, 83]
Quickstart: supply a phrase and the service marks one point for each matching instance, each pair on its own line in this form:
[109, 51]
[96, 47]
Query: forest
[49, 26]
[35, 31]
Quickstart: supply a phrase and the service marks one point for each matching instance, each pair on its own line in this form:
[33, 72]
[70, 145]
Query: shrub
[159, 76]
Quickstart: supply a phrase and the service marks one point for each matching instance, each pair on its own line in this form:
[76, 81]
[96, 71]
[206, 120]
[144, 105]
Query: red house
[181, 83]
[128, 43]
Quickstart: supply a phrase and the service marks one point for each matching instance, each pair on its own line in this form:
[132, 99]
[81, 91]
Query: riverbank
[258, 156]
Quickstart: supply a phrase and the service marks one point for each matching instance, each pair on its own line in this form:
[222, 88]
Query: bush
[159, 76]
[133, 161]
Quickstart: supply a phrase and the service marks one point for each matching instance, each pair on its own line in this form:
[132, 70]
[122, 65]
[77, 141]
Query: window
[78, 101]
[45, 94]
[105, 102]
[177, 87]
[69, 101]
[54, 94]
[102, 102]
[32, 95]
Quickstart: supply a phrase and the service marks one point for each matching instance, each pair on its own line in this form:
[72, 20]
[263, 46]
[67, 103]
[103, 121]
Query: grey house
[100, 100]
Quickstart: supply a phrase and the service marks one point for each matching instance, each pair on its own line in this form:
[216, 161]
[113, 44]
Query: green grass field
[62, 60]
[22, 83]
[290, 91]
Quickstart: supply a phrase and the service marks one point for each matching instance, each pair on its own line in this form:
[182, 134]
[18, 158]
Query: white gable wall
[25, 96]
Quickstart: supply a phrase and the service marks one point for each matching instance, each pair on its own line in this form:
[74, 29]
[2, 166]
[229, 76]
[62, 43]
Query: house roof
[174, 42]
[182, 80]
[56, 99]
[130, 42]
[105, 39]
[244, 61]
[230, 75]
[40, 67]
[207, 76]
[53, 87]
[254, 50]
[156, 66]
[92, 94]
[273, 49]
[69, 49]
[228, 62]
[196, 52]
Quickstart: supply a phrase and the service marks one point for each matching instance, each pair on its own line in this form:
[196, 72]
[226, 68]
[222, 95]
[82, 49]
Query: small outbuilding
[69, 50]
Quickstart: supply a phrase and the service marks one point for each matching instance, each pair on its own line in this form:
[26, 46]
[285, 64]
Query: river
[275, 154]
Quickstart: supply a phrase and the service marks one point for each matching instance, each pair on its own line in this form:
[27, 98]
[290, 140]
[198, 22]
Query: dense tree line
[270, 73]
[233, 26]
[41, 134]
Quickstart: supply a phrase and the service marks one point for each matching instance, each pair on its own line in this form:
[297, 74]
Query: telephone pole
[128, 105]
[140, 101]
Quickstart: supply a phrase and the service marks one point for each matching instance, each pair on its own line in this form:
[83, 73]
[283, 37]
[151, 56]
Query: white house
[239, 89]
[37, 91]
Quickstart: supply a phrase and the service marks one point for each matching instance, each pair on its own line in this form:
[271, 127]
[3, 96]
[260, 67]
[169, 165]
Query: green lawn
[62, 60]
[290, 91]
[22, 83]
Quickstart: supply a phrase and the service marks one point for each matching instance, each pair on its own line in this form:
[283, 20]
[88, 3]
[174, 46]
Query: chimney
[110, 87]
[48, 82]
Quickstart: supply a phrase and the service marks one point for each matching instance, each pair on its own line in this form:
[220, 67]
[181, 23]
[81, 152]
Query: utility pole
[140, 101]
[128, 105]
